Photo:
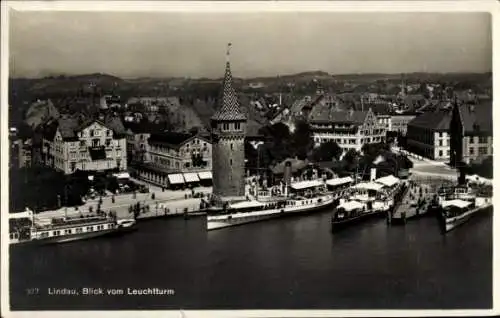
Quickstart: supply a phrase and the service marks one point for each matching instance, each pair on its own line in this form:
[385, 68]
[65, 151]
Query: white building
[71, 144]
[349, 129]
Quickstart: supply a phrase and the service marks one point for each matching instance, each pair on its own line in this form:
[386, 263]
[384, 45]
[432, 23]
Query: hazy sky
[265, 44]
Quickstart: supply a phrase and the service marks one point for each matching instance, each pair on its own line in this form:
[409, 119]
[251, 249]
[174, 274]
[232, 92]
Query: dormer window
[225, 126]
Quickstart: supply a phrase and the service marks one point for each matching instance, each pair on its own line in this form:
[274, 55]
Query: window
[471, 151]
[108, 142]
[471, 139]
[440, 142]
[230, 162]
[440, 153]
[225, 126]
[237, 126]
[82, 143]
[73, 166]
[483, 139]
[483, 150]
[95, 142]
[92, 133]
[231, 146]
[108, 132]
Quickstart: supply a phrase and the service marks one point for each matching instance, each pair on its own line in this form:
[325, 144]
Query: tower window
[230, 162]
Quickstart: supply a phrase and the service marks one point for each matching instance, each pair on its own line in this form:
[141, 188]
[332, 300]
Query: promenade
[175, 202]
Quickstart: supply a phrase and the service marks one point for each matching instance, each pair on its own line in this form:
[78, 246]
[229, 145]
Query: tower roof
[230, 107]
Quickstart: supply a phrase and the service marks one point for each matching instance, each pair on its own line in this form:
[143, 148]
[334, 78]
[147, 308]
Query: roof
[246, 204]
[69, 126]
[439, 120]
[143, 127]
[388, 181]
[306, 184]
[350, 205]
[339, 181]
[328, 114]
[458, 203]
[170, 138]
[368, 186]
[477, 117]
[230, 107]
[173, 139]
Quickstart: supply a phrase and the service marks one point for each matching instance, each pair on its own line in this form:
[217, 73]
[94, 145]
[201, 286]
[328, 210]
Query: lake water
[288, 263]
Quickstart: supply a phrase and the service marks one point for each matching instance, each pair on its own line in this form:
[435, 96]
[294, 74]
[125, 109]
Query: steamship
[26, 230]
[304, 197]
[459, 203]
[366, 200]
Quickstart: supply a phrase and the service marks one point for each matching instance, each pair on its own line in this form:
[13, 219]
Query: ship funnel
[373, 174]
[287, 175]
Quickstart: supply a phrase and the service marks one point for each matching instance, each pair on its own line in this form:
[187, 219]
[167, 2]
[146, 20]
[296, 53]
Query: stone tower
[228, 138]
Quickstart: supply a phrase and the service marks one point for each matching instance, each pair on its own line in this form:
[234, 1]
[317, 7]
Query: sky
[263, 44]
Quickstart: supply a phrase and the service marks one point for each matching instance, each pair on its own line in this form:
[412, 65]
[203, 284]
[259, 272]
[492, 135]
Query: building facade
[176, 160]
[349, 129]
[428, 135]
[92, 145]
[399, 123]
[228, 126]
[471, 128]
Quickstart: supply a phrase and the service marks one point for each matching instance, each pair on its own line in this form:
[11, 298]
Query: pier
[417, 200]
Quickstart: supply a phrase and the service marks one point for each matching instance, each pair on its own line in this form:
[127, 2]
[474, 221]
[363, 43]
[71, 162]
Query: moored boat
[459, 202]
[28, 231]
[306, 197]
[366, 199]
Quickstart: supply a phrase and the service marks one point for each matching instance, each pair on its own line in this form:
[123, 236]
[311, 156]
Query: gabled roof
[477, 117]
[173, 139]
[143, 127]
[69, 126]
[438, 120]
[230, 107]
[332, 115]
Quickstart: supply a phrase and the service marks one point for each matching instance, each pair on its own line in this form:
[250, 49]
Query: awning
[339, 181]
[388, 181]
[458, 203]
[205, 175]
[246, 204]
[351, 205]
[191, 177]
[306, 184]
[176, 178]
[369, 186]
[122, 175]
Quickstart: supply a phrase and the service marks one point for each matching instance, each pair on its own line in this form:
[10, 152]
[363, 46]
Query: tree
[327, 151]
[302, 140]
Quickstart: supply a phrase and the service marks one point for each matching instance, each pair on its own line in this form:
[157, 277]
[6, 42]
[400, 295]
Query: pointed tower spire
[230, 106]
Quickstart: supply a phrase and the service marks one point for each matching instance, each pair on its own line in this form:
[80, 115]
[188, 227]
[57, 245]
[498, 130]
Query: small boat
[307, 197]
[27, 231]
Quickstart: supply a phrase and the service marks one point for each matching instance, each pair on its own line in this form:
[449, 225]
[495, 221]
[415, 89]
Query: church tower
[228, 142]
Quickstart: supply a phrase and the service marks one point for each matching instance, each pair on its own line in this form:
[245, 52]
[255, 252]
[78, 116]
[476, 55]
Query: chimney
[287, 174]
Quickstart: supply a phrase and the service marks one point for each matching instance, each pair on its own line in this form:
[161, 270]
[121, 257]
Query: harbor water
[288, 263]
